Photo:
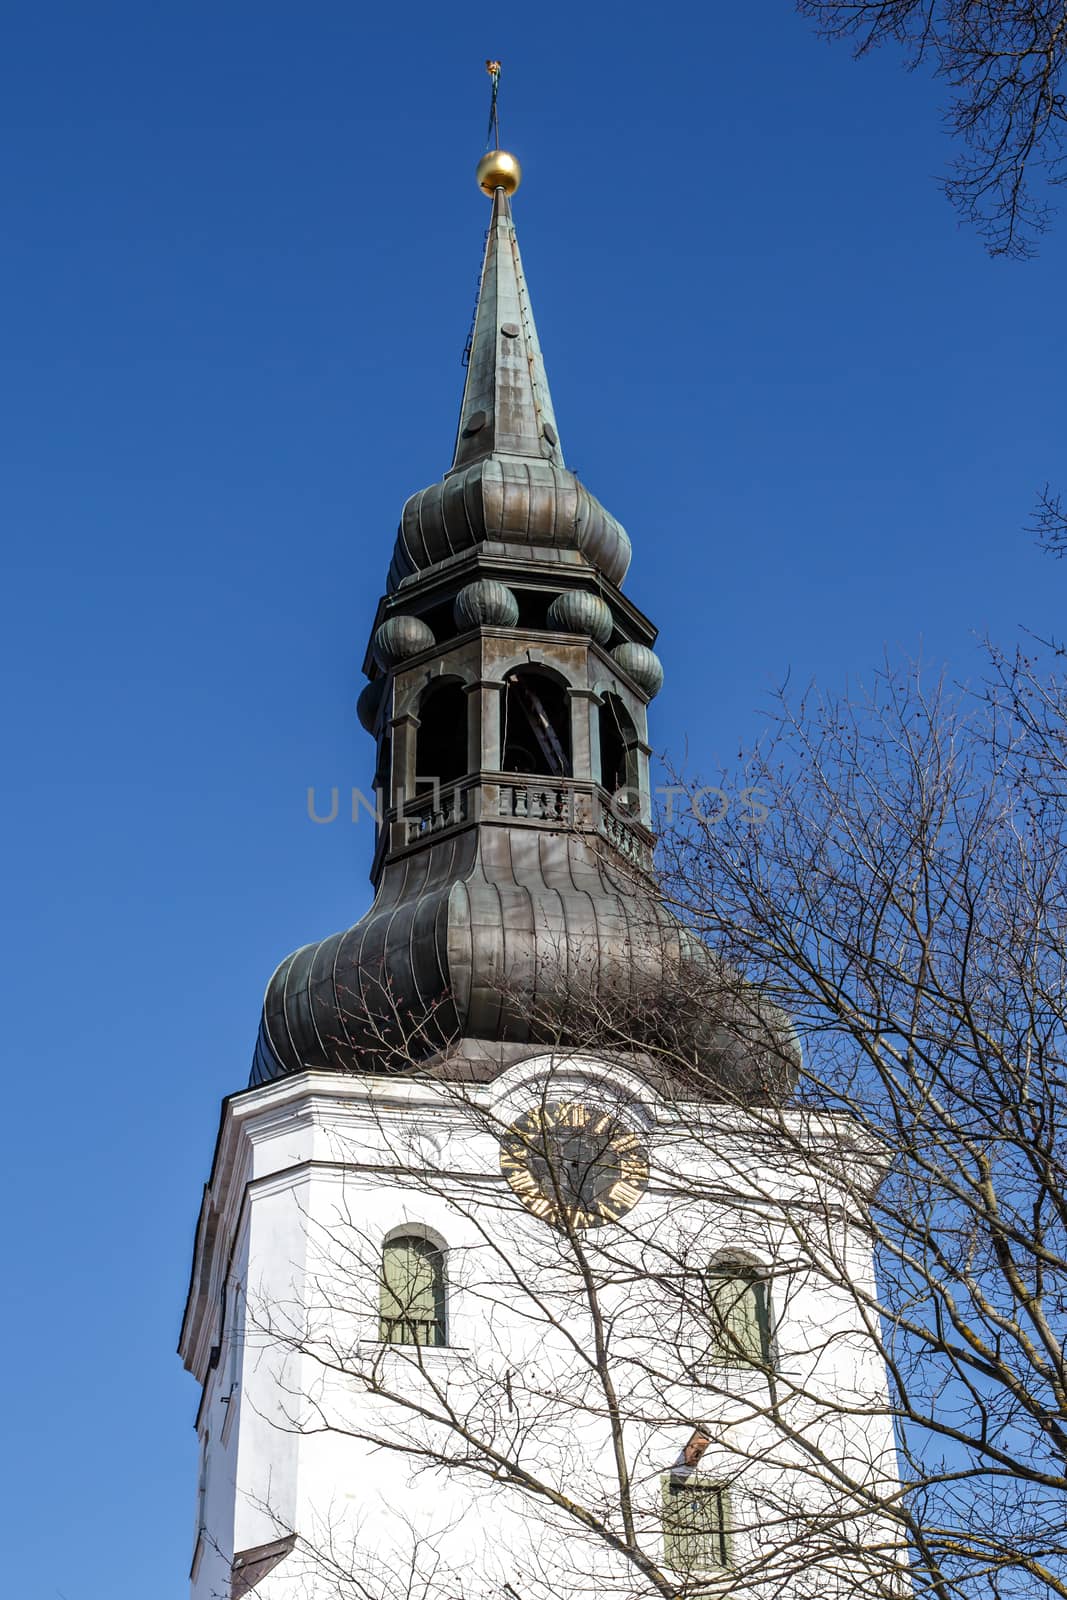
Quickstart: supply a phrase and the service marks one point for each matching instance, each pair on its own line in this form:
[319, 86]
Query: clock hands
[567, 1160]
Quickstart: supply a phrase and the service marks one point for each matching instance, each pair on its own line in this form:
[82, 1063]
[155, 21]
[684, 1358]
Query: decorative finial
[497, 169]
[493, 136]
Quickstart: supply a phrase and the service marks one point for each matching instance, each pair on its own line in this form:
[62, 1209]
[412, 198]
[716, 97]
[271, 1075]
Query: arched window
[618, 750]
[441, 741]
[740, 1314]
[535, 725]
[412, 1293]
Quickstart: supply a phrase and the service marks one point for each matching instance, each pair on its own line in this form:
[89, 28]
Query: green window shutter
[739, 1308]
[412, 1293]
[237, 1334]
[695, 1524]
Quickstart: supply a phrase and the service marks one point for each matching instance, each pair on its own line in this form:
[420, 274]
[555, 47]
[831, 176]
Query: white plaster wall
[314, 1173]
[219, 1419]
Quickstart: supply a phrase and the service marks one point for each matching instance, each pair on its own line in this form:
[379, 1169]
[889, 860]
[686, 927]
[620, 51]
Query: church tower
[490, 1286]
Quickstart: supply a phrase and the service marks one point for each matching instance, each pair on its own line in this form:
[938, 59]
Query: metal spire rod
[492, 138]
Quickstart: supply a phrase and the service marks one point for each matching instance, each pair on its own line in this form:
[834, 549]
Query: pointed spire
[507, 409]
[508, 485]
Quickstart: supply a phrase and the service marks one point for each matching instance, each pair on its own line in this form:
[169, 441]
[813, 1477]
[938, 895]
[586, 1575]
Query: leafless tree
[1004, 65]
[1049, 522]
[604, 1379]
[884, 950]
[904, 902]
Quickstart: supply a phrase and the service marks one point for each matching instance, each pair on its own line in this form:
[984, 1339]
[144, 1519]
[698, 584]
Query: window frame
[391, 1324]
[202, 1483]
[675, 1483]
[732, 1270]
[236, 1336]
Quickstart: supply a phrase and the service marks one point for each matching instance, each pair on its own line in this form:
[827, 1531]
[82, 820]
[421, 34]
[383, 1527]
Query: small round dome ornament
[642, 665]
[580, 612]
[498, 169]
[399, 638]
[369, 703]
[486, 604]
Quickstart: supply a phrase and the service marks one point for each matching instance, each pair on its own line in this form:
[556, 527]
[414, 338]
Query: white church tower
[519, 1272]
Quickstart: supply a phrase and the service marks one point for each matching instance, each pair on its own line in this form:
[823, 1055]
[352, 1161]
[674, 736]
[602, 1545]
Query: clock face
[574, 1163]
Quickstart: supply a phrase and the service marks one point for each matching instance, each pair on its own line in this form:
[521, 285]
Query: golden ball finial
[498, 170]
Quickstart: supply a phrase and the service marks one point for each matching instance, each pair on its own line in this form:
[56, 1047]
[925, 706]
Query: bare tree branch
[1049, 522]
[1004, 65]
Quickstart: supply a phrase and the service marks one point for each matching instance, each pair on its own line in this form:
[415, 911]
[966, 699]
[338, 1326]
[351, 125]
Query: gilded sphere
[642, 665]
[400, 637]
[486, 604]
[579, 612]
[498, 170]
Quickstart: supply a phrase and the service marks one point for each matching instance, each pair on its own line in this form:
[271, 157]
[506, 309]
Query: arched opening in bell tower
[535, 725]
[441, 740]
[619, 771]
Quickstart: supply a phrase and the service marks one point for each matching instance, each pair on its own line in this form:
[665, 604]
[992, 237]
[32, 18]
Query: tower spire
[507, 407]
[507, 492]
[508, 695]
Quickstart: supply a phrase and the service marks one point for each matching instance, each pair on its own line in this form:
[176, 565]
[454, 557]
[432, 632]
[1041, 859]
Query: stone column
[585, 735]
[484, 727]
[403, 732]
[642, 753]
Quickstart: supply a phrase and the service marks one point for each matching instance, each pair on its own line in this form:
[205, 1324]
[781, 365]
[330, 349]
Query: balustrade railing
[565, 803]
[625, 838]
[545, 801]
[434, 811]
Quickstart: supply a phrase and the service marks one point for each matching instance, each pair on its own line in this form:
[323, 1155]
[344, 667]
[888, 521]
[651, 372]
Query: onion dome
[486, 604]
[579, 612]
[416, 975]
[399, 638]
[528, 507]
[642, 665]
[369, 703]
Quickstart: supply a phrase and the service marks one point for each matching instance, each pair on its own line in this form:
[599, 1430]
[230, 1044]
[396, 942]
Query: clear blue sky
[241, 246]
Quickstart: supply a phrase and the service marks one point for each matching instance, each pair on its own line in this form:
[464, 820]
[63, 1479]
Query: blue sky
[241, 250]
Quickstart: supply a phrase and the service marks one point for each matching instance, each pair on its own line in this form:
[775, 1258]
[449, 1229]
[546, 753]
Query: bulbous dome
[642, 665]
[486, 604]
[532, 507]
[399, 638]
[577, 611]
[369, 703]
[502, 944]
